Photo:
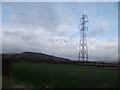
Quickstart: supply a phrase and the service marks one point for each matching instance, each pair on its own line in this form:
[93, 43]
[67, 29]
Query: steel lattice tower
[83, 52]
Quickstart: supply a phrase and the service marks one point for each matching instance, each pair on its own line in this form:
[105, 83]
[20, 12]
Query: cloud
[96, 32]
[52, 29]
[41, 40]
[105, 50]
[47, 15]
[103, 23]
[102, 26]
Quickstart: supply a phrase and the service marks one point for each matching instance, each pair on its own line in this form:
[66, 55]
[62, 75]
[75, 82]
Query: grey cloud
[105, 50]
[42, 41]
[39, 15]
[96, 32]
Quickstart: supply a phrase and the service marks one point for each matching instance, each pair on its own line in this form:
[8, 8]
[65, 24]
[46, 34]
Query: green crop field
[40, 75]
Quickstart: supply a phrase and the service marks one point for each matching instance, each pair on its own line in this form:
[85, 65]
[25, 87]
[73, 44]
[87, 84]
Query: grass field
[38, 75]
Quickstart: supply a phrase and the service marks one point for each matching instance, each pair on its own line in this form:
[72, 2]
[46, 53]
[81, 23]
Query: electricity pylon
[83, 51]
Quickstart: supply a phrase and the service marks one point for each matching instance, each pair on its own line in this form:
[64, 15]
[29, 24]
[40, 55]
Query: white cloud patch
[103, 23]
[106, 50]
[41, 40]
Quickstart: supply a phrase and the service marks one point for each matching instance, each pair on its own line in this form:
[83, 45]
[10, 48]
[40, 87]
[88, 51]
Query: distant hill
[34, 56]
[41, 57]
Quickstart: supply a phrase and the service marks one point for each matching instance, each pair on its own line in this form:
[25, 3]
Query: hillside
[33, 56]
[41, 57]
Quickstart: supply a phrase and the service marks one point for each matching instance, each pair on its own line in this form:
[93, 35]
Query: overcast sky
[53, 28]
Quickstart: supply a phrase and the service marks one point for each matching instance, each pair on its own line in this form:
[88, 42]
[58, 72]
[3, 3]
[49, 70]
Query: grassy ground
[45, 75]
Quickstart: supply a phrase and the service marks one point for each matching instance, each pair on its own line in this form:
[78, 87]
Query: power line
[19, 13]
[25, 7]
[32, 15]
[24, 14]
[27, 14]
[28, 8]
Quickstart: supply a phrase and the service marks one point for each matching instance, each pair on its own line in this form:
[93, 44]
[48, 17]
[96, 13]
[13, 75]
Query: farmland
[45, 75]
